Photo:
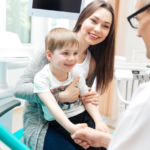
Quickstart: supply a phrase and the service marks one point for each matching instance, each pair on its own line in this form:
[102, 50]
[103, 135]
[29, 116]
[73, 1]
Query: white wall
[39, 29]
[132, 42]
[13, 76]
[2, 15]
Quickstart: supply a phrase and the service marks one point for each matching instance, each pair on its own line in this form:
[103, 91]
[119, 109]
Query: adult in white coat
[133, 131]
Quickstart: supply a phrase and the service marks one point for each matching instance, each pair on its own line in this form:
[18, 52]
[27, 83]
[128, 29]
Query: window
[55, 23]
[17, 19]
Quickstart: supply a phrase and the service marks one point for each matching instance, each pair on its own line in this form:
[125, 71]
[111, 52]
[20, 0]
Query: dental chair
[9, 139]
[13, 55]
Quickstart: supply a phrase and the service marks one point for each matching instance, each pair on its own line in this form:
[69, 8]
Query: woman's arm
[24, 88]
[91, 97]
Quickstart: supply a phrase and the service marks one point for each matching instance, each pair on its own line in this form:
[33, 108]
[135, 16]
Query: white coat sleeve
[133, 131]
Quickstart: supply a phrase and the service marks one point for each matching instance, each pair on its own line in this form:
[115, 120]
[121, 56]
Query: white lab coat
[133, 131]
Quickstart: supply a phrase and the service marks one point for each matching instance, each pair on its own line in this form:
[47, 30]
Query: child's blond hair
[58, 38]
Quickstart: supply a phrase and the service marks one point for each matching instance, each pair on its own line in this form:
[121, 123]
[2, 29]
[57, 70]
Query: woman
[96, 32]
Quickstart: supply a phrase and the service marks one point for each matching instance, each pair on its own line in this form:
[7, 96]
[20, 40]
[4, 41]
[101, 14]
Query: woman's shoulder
[40, 57]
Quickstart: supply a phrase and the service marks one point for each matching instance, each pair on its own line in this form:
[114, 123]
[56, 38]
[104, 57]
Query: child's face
[65, 59]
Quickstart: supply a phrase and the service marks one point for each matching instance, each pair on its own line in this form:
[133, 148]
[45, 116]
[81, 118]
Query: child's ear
[48, 55]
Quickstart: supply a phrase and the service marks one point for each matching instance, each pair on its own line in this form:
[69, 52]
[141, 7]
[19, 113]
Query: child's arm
[94, 113]
[91, 109]
[42, 88]
[49, 100]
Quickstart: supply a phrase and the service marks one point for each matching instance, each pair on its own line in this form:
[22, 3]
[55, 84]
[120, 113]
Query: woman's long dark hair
[103, 52]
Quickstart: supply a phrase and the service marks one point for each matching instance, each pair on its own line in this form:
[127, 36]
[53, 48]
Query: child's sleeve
[81, 84]
[41, 83]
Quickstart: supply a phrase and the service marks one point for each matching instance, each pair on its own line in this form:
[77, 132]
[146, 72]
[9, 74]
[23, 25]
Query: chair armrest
[8, 106]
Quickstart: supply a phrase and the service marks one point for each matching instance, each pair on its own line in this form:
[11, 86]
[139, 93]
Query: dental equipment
[130, 72]
[12, 55]
[11, 140]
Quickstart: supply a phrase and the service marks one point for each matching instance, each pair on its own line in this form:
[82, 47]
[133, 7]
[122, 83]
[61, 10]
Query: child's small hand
[78, 127]
[101, 126]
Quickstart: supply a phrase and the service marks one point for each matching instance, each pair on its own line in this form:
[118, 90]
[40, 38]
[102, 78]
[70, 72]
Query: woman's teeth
[94, 36]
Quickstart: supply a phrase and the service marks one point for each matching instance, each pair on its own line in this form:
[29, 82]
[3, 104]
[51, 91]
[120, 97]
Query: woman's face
[96, 27]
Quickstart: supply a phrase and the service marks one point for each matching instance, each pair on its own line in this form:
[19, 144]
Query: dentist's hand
[88, 135]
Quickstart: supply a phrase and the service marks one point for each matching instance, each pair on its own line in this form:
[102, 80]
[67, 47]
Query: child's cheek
[61, 59]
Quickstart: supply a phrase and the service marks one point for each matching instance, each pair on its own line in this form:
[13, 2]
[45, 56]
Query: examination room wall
[129, 46]
[134, 48]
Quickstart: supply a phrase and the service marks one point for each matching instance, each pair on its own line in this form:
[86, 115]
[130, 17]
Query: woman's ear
[48, 55]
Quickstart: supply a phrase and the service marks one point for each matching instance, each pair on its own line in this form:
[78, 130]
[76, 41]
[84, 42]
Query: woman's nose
[98, 28]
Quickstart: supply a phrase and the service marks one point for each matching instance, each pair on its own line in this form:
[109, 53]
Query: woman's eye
[93, 20]
[106, 26]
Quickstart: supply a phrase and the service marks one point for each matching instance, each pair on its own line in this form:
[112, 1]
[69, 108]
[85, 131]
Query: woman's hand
[91, 97]
[71, 93]
[101, 126]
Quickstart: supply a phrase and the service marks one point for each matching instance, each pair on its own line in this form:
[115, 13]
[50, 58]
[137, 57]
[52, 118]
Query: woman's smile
[93, 36]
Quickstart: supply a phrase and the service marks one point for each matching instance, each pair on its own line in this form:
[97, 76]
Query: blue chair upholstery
[10, 140]
[18, 134]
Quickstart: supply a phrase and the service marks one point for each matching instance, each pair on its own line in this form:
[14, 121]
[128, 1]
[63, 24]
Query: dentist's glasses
[132, 18]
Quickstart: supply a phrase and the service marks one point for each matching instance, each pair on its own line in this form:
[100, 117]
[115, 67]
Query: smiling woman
[96, 27]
